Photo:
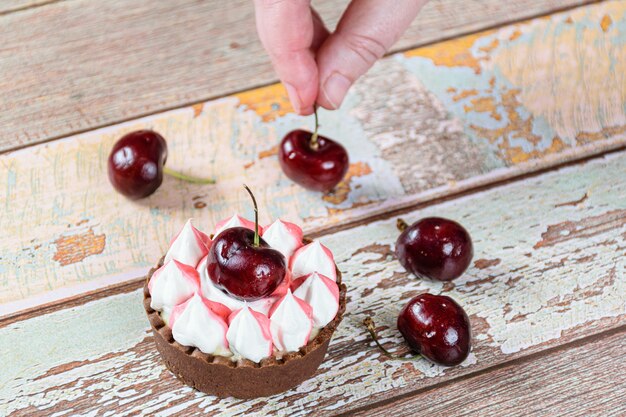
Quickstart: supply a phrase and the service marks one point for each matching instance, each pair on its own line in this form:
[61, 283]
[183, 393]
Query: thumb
[365, 32]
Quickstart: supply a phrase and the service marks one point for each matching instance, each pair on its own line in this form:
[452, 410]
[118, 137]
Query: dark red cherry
[317, 165]
[436, 327]
[242, 264]
[242, 269]
[136, 163]
[436, 248]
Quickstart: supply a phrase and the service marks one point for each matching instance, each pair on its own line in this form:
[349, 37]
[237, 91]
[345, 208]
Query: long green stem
[256, 216]
[314, 143]
[371, 328]
[188, 178]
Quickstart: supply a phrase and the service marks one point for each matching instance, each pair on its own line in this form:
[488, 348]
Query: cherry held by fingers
[312, 161]
[434, 247]
[242, 264]
[136, 164]
[436, 327]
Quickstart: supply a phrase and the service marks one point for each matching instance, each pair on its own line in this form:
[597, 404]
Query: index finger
[287, 31]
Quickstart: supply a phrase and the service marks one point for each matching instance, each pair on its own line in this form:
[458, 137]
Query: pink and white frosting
[313, 257]
[291, 322]
[321, 293]
[201, 323]
[234, 221]
[203, 316]
[189, 246]
[249, 334]
[172, 284]
[283, 236]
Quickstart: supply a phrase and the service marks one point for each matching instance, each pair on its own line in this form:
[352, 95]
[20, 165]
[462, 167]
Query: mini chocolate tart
[222, 377]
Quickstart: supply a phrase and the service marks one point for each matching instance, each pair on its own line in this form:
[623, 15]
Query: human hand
[318, 67]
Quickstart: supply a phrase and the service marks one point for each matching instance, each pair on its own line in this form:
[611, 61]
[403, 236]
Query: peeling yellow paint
[517, 155]
[268, 102]
[516, 128]
[493, 45]
[75, 248]
[588, 137]
[273, 151]
[484, 105]
[516, 34]
[453, 53]
[556, 85]
[340, 194]
[464, 94]
[606, 22]
[197, 109]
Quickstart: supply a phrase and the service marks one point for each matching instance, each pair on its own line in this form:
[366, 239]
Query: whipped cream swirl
[313, 257]
[283, 236]
[189, 246]
[249, 334]
[172, 284]
[291, 323]
[322, 294]
[201, 323]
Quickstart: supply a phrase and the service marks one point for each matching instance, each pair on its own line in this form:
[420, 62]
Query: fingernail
[293, 97]
[307, 111]
[335, 88]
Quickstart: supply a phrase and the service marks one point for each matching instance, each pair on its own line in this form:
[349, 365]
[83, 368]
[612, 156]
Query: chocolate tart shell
[222, 377]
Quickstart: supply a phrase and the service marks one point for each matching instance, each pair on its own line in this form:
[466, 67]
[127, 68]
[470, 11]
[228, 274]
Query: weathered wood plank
[582, 381]
[413, 128]
[73, 66]
[545, 273]
[10, 6]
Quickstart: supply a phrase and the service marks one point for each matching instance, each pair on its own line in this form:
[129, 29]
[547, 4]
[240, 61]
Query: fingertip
[307, 111]
[302, 99]
[325, 105]
[333, 90]
[309, 94]
[294, 97]
[300, 78]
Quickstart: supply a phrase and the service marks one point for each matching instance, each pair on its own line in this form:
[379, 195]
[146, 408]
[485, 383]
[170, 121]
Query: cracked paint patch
[341, 191]
[74, 248]
[269, 102]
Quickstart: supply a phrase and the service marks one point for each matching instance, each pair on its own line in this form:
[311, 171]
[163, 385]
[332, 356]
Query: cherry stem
[314, 143]
[371, 328]
[401, 225]
[187, 178]
[256, 216]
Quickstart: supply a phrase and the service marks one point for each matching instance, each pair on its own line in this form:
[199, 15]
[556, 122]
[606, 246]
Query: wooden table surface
[509, 117]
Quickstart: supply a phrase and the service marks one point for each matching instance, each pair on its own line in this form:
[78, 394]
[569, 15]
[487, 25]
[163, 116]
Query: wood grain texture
[413, 128]
[73, 66]
[11, 6]
[582, 381]
[544, 274]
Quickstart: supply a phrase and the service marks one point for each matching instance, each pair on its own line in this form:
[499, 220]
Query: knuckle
[367, 47]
